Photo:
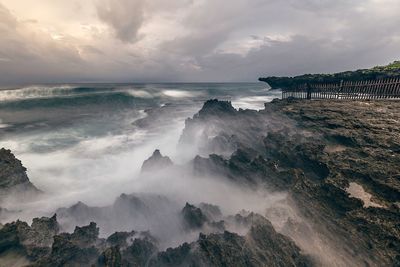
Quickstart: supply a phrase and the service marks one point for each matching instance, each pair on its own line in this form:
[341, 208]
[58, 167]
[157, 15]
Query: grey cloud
[32, 56]
[319, 36]
[125, 17]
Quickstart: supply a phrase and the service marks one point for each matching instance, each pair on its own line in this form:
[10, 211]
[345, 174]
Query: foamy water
[80, 145]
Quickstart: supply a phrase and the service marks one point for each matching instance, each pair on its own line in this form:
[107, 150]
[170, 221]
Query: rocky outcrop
[220, 129]
[156, 162]
[13, 178]
[321, 148]
[81, 248]
[193, 217]
[262, 246]
[41, 245]
[127, 211]
[379, 72]
[311, 150]
[30, 242]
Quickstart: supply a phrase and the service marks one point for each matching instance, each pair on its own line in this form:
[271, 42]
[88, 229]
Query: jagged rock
[193, 217]
[84, 248]
[81, 248]
[316, 151]
[218, 126]
[246, 167]
[180, 256]
[156, 162]
[212, 212]
[111, 257]
[331, 146]
[120, 239]
[33, 241]
[262, 246]
[215, 107]
[13, 178]
[139, 253]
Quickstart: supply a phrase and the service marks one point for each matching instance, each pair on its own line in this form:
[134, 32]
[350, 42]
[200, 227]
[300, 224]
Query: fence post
[340, 89]
[308, 91]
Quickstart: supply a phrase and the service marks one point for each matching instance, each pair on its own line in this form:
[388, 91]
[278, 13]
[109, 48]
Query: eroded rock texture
[13, 178]
[311, 150]
[318, 150]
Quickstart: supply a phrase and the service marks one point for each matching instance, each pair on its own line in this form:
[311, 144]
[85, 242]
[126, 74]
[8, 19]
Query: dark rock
[139, 253]
[215, 107]
[120, 239]
[77, 249]
[179, 256]
[212, 212]
[193, 217]
[13, 178]
[156, 162]
[32, 242]
[319, 148]
[262, 246]
[111, 257]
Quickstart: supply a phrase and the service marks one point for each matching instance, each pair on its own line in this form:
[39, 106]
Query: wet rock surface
[261, 246]
[13, 179]
[312, 150]
[318, 150]
[30, 242]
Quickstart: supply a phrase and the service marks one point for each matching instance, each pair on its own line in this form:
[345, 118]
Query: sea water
[87, 142]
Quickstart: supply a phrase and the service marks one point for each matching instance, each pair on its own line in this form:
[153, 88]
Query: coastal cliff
[379, 72]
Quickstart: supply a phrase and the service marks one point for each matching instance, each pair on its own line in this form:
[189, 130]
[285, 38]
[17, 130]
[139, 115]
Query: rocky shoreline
[335, 161]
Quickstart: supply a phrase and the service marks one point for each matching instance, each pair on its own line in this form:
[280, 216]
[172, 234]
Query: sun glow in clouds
[150, 40]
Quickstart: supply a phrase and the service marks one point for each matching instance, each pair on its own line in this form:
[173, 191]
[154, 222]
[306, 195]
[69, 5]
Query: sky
[57, 41]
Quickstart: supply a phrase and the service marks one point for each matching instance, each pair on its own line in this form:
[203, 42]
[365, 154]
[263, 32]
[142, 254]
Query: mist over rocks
[319, 148]
[84, 247]
[139, 212]
[261, 246]
[28, 243]
[156, 162]
[305, 152]
[193, 217]
[220, 129]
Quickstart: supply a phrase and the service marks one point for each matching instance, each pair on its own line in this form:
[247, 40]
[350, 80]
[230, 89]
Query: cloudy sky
[191, 40]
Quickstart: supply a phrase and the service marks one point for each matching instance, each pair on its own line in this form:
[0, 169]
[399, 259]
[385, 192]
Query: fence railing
[373, 89]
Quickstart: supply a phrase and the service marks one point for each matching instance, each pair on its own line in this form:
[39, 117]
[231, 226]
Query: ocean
[87, 142]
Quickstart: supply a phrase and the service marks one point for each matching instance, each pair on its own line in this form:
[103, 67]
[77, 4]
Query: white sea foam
[140, 94]
[3, 125]
[181, 93]
[255, 102]
[32, 92]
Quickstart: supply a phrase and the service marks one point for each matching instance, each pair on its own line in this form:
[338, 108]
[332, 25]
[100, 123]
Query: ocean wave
[105, 98]
[255, 102]
[182, 93]
[3, 125]
[140, 94]
[35, 92]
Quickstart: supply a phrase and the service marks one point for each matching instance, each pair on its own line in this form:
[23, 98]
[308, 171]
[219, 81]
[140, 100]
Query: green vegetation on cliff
[378, 72]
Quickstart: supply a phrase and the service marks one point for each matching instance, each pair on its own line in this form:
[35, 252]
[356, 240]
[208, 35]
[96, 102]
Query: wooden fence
[373, 89]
